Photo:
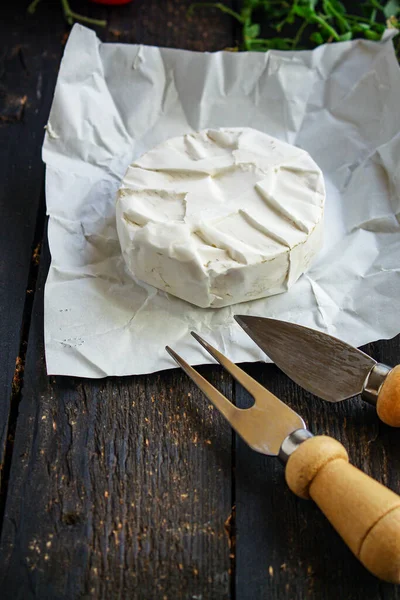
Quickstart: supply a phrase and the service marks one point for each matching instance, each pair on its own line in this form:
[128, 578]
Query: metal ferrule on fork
[365, 513]
[292, 442]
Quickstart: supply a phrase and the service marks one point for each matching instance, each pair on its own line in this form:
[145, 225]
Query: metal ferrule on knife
[364, 512]
[374, 382]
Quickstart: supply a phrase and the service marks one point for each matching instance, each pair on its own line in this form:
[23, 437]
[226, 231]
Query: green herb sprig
[69, 15]
[317, 21]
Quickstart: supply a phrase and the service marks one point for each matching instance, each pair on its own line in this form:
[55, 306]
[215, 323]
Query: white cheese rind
[221, 216]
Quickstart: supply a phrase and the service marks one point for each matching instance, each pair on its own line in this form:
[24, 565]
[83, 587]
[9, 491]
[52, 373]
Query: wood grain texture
[28, 69]
[123, 488]
[285, 547]
[305, 464]
[30, 53]
[119, 488]
[365, 513]
[162, 23]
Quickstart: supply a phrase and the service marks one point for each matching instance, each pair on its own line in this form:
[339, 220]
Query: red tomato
[111, 1]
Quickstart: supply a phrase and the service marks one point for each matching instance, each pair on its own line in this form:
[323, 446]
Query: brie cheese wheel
[221, 216]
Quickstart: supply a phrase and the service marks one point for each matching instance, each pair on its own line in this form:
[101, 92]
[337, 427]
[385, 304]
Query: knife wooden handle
[365, 513]
[388, 404]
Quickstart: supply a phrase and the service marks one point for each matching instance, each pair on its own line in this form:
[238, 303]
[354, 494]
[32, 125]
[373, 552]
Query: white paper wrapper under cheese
[221, 216]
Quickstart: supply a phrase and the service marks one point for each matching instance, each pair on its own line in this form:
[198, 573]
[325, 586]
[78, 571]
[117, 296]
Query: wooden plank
[165, 24]
[121, 487]
[285, 548]
[95, 511]
[28, 66]
[31, 51]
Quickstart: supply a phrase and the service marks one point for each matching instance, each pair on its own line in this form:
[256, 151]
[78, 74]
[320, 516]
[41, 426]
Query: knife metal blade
[318, 362]
[365, 513]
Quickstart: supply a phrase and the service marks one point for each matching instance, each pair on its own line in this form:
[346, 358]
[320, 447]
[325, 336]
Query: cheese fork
[365, 513]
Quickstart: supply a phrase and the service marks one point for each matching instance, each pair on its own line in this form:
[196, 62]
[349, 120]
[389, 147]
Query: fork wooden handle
[388, 404]
[365, 513]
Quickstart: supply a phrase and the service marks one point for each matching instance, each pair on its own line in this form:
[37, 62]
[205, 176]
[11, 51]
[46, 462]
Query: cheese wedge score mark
[221, 216]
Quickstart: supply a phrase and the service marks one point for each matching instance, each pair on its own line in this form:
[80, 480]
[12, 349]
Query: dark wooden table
[134, 487]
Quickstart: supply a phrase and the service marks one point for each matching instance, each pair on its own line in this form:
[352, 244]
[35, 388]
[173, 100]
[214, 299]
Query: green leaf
[271, 43]
[372, 35]
[281, 43]
[32, 7]
[391, 8]
[306, 12]
[338, 6]
[376, 4]
[317, 38]
[345, 37]
[325, 20]
[334, 8]
[361, 27]
[252, 31]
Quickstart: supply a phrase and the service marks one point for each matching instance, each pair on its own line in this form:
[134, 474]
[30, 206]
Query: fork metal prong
[251, 385]
[266, 424]
[224, 405]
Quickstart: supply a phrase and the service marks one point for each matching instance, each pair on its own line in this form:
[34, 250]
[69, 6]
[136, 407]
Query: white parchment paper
[113, 102]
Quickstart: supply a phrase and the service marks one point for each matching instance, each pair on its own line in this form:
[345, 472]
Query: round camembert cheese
[221, 216]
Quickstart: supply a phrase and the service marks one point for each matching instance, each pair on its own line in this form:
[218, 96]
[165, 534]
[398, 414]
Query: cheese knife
[327, 366]
[365, 513]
